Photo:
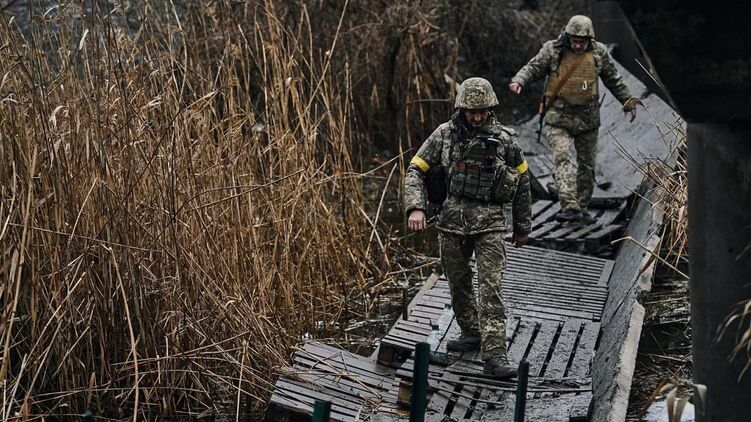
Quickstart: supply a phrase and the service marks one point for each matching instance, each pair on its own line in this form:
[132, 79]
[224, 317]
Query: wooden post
[419, 383]
[521, 392]
[322, 411]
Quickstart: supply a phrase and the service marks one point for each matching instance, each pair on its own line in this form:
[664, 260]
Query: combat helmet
[475, 94]
[580, 26]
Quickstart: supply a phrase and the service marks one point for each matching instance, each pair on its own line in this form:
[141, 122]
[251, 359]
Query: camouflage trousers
[483, 314]
[575, 185]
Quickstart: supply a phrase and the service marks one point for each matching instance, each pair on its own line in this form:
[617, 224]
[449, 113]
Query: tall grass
[179, 205]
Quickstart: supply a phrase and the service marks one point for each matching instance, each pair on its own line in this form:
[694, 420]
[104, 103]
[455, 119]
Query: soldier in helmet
[573, 63]
[485, 170]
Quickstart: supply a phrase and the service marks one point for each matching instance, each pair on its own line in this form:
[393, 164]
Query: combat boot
[463, 343]
[587, 218]
[568, 214]
[499, 367]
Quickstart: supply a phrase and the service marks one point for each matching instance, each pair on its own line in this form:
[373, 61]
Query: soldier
[573, 63]
[485, 170]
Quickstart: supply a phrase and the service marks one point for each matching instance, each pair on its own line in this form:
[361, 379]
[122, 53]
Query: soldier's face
[476, 118]
[578, 44]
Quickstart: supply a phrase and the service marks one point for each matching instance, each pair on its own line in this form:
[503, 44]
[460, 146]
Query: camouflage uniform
[574, 126]
[468, 225]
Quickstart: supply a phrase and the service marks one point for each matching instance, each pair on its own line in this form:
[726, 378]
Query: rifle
[542, 110]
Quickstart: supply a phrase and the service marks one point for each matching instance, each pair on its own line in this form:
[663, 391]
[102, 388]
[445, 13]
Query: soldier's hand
[515, 87]
[520, 239]
[416, 220]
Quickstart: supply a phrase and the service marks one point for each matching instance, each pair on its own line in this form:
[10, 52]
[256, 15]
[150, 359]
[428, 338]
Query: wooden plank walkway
[554, 304]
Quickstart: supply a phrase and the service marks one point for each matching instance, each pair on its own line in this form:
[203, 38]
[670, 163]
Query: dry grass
[180, 205]
[181, 190]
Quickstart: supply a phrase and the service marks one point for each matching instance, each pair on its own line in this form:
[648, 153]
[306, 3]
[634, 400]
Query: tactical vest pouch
[435, 181]
[505, 184]
[470, 179]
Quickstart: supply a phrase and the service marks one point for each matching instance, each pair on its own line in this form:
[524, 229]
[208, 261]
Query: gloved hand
[629, 107]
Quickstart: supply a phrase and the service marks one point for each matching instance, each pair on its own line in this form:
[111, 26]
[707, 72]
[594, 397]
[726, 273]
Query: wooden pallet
[559, 354]
[354, 384]
[592, 239]
[541, 169]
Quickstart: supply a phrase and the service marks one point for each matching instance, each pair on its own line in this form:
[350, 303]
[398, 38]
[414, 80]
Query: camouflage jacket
[466, 216]
[578, 118]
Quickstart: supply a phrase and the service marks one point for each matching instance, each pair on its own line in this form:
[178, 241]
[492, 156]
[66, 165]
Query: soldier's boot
[499, 367]
[463, 343]
[587, 218]
[568, 214]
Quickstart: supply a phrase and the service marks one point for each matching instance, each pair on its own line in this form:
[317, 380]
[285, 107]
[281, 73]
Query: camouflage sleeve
[427, 156]
[611, 78]
[521, 208]
[537, 67]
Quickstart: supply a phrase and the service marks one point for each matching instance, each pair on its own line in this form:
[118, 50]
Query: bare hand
[416, 220]
[520, 239]
[515, 87]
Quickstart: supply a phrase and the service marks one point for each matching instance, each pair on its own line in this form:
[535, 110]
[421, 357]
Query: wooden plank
[341, 408]
[549, 409]
[553, 259]
[585, 350]
[564, 347]
[410, 325]
[606, 271]
[541, 347]
[543, 229]
[560, 266]
[604, 232]
[503, 409]
[424, 315]
[521, 340]
[348, 377]
[583, 231]
[429, 283]
[594, 241]
[436, 408]
[534, 253]
[570, 291]
[540, 206]
[464, 406]
[548, 213]
[353, 390]
[594, 283]
[486, 395]
[580, 297]
[535, 309]
[562, 232]
[351, 361]
[580, 407]
[562, 306]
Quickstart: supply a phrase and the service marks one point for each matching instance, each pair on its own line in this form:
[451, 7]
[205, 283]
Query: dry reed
[180, 205]
[181, 190]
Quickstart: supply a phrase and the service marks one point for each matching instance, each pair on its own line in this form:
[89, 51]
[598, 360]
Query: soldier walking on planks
[571, 107]
[485, 169]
